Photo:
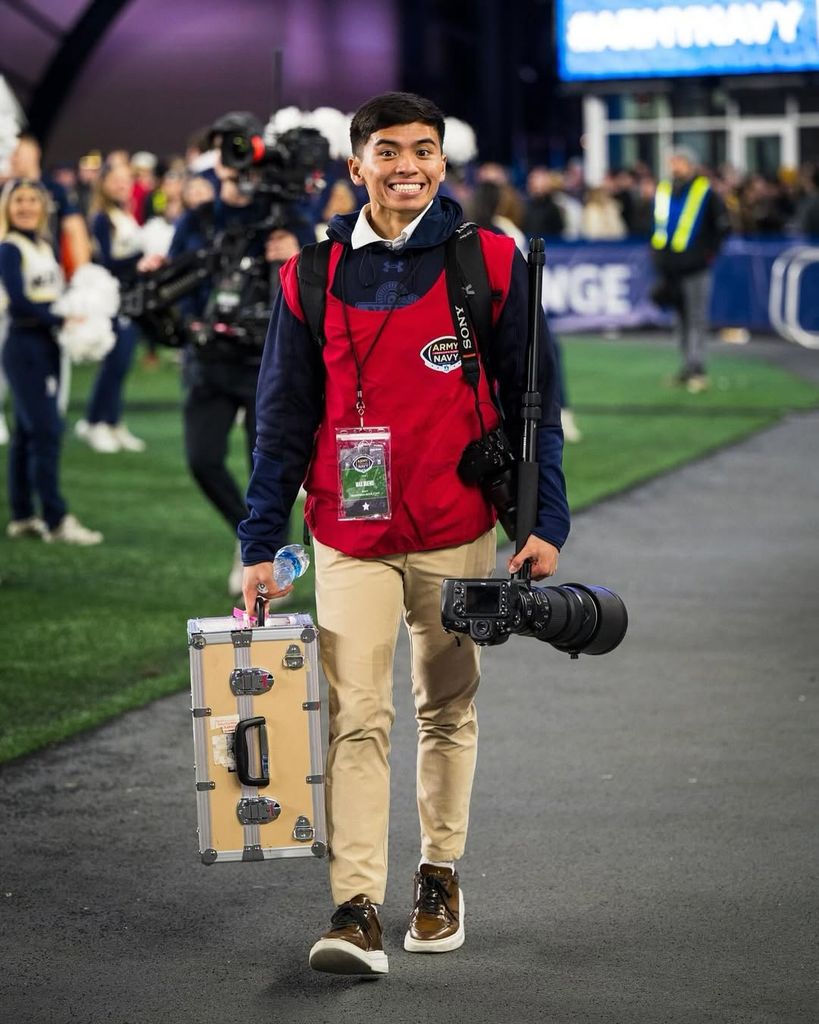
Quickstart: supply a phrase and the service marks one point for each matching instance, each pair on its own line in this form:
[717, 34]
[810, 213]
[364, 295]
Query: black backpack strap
[475, 284]
[312, 269]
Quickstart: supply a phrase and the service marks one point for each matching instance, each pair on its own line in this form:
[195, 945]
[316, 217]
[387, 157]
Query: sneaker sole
[336, 956]
[454, 941]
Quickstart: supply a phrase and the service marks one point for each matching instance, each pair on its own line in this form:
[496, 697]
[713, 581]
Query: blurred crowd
[556, 203]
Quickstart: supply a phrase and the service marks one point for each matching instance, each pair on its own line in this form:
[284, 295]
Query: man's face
[25, 160]
[680, 167]
[401, 168]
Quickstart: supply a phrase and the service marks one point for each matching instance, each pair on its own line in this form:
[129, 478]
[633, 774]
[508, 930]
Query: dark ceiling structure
[87, 72]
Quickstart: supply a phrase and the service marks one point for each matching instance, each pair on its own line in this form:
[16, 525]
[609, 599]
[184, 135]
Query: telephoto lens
[582, 619]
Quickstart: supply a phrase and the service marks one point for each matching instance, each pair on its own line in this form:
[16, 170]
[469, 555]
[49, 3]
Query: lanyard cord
[359, 363]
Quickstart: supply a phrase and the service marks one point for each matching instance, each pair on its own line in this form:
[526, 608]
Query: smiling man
[374, 417]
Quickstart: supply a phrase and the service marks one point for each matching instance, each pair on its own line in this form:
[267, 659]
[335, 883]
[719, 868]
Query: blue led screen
[600, 39]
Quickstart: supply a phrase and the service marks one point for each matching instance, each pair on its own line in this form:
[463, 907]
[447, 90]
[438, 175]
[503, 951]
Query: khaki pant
[360, 603]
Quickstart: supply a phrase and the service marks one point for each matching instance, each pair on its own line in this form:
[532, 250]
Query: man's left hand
[542, 555]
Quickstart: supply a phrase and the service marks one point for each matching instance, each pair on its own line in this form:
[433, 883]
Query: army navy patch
[442, 354]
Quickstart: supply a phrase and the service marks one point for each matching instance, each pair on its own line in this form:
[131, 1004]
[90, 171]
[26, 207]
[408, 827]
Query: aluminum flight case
[257, 738]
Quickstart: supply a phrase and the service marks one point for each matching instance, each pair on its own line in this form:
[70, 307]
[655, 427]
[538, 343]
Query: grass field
[90, 633]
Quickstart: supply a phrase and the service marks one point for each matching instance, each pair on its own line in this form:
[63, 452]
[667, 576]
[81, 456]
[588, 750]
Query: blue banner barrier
[761, 284]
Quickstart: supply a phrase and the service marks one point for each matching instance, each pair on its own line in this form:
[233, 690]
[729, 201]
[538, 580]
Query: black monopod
[530, 407]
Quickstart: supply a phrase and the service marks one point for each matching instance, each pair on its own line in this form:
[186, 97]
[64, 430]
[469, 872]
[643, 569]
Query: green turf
[89, 633]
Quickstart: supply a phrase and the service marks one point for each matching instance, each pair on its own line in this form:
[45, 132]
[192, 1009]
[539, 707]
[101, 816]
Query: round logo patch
[442, 354]
[362, 463]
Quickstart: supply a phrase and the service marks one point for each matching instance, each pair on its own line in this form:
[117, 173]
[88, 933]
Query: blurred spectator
[88, 171]
[621, 185]
[809, 213]
[642, 208]
[601, 219]
[571, 207]
[196, 190]
[118, 246]
[690, 224]
[543, 215]
[66, 226]
[490, 206]
[32, 279]
[166, 199]
[340, 200]
[143, 168]
[760, 207]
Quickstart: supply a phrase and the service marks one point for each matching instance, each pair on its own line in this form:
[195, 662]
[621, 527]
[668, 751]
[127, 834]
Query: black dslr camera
[490, 463]
[573, 618]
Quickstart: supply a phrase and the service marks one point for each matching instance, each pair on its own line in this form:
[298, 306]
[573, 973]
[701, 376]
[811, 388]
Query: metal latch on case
[293, 657]
[257, 810]
[249, 682]
[303, 832]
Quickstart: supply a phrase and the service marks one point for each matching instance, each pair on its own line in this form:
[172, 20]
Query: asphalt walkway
[644, 832]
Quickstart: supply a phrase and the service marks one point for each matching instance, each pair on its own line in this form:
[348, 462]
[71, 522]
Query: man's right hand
[257, 581]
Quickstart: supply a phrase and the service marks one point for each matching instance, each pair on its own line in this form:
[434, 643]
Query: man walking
[689, 225]
[376, 410]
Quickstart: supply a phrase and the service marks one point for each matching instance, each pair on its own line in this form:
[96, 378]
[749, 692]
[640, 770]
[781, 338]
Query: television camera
[274, 173]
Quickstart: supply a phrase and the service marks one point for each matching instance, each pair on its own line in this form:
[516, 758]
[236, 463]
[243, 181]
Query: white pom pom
[335, 127]
[11, 119]
[460, 144]
[89, 304]
[285, 119]
[155, 237]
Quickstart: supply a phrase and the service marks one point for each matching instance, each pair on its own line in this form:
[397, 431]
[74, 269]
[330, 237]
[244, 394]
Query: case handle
[259, 610]
[241, 753]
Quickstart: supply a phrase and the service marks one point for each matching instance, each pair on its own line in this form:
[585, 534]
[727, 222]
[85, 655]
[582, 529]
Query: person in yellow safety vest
[690, 223]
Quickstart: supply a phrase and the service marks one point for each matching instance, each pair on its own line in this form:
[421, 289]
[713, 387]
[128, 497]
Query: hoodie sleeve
[508, 355]
[289, 406]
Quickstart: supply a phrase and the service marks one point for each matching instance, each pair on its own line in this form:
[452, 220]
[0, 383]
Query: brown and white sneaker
[353, 944]
[437, 920]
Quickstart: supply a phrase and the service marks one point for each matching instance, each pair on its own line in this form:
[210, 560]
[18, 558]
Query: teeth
[406, 188]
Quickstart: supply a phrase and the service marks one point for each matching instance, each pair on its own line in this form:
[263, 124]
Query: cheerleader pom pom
[88, 305]
[460, 144]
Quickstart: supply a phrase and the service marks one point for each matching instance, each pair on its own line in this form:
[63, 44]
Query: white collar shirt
[363, 233]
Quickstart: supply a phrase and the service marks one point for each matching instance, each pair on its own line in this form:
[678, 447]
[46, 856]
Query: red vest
[413, 384]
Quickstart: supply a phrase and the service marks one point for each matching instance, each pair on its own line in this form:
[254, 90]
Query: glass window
[759, 102]
[695, 102]
[710, 146]
[809, 145]
[636, 106]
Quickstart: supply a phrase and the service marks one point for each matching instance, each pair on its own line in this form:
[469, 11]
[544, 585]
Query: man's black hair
[393, 108]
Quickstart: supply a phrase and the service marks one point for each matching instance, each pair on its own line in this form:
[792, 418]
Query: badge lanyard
[360, 363]
[363, 454]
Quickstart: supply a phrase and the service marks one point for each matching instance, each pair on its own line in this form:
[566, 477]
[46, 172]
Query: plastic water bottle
[290, 562]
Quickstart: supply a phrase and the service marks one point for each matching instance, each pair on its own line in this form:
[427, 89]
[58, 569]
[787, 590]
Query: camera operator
[375, 399]
[220, 365]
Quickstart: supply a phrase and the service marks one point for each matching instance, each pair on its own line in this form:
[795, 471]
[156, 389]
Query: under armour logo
[398, 266]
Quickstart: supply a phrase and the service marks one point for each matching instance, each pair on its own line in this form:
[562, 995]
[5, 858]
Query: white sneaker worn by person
[126, 440]
[101, 438]
[31, 527]
[81, 428]
[71, 531]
